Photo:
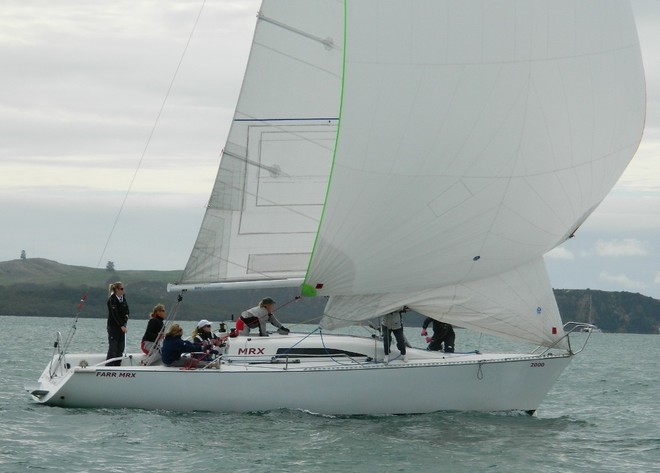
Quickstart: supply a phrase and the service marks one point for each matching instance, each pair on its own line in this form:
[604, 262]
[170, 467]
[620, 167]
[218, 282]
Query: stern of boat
[53, 376]
[62, 368]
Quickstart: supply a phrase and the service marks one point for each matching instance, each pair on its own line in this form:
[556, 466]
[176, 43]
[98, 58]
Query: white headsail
[459, 142]
[265, 207]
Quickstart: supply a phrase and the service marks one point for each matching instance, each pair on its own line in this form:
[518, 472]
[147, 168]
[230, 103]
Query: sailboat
[591, 327]
[388, 154]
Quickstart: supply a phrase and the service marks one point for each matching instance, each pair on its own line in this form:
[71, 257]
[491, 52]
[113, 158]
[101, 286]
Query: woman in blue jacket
[174, 346]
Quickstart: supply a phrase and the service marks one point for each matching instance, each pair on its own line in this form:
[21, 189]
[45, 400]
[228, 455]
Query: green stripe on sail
[308, 289]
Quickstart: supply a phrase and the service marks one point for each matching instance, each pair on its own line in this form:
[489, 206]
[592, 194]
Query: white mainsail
[459, 142]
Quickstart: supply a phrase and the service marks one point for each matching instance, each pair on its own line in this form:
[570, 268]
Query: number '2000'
[538, 365]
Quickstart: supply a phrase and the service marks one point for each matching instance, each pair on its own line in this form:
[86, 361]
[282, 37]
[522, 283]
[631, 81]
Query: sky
[110, 141]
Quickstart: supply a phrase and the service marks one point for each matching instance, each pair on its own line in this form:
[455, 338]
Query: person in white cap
[202, 332]
[205, 336]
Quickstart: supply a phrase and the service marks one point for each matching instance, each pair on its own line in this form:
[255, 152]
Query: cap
[203, 323]
[266, 301]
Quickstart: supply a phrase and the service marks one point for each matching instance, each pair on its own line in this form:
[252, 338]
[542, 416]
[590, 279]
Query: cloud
[621, 280]
[560, 253]
[624, 247]
[86, 85]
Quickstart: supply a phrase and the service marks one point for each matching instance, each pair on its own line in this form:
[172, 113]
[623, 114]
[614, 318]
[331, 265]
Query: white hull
[359, 384]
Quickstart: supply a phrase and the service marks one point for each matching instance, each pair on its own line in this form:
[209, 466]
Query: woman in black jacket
[117, 319]
[153, 333]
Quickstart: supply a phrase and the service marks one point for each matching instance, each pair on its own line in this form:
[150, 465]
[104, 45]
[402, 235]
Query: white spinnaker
[475, 136]
[265, 207]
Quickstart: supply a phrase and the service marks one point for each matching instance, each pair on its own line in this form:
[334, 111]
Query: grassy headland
[41, 287]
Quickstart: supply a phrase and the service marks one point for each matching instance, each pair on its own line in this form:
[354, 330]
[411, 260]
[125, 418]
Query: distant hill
[41, 287]
[44, 271]
[612, 312]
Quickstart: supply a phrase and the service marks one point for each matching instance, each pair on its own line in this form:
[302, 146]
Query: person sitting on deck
[174, 346]
[203, 335]
[153, 332]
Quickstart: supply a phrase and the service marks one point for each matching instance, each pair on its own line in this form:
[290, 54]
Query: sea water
[601, 416]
